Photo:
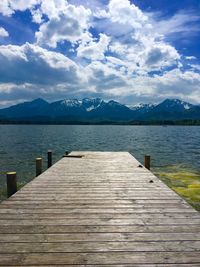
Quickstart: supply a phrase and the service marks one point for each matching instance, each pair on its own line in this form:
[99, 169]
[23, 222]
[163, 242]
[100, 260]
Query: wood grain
[99, 209]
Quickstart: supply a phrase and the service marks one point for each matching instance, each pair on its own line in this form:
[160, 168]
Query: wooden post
[38, 166]
[49, 159]
[11, 183]
[147, 161]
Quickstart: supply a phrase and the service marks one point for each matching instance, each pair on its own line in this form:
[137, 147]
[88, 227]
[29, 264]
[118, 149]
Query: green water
[185, 182]
[174, 150]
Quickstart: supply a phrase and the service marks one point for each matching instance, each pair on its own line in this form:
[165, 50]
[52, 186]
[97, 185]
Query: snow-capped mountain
[142, 108]
[98, 110]
[175, 105]
[91, 104]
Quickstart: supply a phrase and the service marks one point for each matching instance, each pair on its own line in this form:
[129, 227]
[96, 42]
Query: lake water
[173, 146]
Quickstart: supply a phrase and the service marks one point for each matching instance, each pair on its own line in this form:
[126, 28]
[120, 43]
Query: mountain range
[98, 111]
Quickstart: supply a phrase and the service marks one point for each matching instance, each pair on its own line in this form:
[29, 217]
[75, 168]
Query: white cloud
[52, 8]
[190, 57]
[115, 50]
[22, 4]
[70, 24]
[182, 22]
[134, 39]
[8, 7]
[124, 12]
[37, 16]
[5, 8]
[93, 5]
[195, 67]
[94, 50]
[33, 64]
[160, 55]
[3, 32]
[30, 71]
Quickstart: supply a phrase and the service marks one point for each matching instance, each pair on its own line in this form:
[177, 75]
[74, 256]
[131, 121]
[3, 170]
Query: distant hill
[98, 111]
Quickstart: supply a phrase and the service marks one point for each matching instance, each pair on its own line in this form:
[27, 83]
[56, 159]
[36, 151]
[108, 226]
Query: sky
[131, 51]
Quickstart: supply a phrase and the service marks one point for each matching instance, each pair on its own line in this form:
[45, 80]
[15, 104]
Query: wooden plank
[99, 246]
[100, 201]
[99, 209]
[103, 217]
[27, 229]
[119, 265]
[37, 206]
[92, 237]
[101, 258]
[102, 221]
[86, 210]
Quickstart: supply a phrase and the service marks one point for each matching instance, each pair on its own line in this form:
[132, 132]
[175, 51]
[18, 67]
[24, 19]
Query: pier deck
[98, 209]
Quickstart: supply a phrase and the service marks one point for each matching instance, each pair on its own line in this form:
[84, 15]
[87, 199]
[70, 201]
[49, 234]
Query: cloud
[52, 8]
[8, 7]
[103, 77]
[124, 12]
[32, 64]
[29, 71]
[116, 50]
[94, 50]
[3, 32]
[190, 57]
[70, 24]
[161, 55]
[5, 8]
[184, 23]
[133, 38]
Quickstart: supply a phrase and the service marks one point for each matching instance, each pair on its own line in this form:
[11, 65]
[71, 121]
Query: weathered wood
[11, 183]
[49, 158]
[133, 228]
[101, 258]
[98, 208]
[38, 163]
[102, 221]
[99, 246]
[101, 237]
[147, 161]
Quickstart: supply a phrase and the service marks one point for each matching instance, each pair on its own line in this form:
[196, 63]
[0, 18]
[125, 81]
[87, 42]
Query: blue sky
[130, 51]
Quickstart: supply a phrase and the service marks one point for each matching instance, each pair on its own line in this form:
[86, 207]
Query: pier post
[147, 162]
[11, 183]
[49, 158]
[38, 166]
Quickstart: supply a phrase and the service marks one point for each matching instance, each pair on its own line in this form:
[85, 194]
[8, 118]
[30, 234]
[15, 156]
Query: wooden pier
[99, 208]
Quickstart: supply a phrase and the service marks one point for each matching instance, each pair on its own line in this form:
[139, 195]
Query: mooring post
[49, 158]
[38, 166]
[66, 152]
[147, 161]
[11, 183]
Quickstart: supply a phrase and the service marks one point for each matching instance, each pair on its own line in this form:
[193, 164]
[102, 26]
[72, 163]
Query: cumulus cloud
[94, 50]
[5, 8]
[124, 12]
[3, 32]
[30, 71]
[34, 65]
[115, 51]
[8, 7]
[134, 39]
[70, 24]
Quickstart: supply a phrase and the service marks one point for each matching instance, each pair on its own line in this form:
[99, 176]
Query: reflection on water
[175, 150]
